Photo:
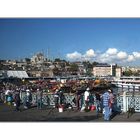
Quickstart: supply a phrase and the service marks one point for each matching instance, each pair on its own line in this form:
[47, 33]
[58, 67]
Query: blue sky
[111, 40]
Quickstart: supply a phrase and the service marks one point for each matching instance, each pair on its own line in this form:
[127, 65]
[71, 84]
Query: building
[104, 70]
[13, 74]
[39, 58]
[48, 73]
[118, 72]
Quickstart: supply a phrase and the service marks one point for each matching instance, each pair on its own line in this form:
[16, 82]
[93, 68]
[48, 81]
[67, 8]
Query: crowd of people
[85, 99]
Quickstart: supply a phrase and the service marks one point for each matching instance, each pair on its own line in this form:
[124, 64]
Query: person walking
[106, 108]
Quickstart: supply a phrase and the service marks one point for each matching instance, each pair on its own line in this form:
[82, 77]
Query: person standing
[17, 100]
[86, 98]
[111, 101]
[56, 98]
[7, 92]
[78, 99]
[29, 98]
[106, 108]
[97, 103]
[39, 98]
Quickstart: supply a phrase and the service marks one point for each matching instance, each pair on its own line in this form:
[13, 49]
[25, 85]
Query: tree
[88, 66]
[57, 60]
[28, 60]
[128, 73]
[56, 71]
[74, 67]
[136, 73]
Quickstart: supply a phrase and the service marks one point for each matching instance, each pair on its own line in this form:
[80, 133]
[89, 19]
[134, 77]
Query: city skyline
[106, 40]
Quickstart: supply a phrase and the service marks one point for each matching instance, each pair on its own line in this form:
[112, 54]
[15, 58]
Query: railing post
[124, 102]
[128, 87]
[133, 89]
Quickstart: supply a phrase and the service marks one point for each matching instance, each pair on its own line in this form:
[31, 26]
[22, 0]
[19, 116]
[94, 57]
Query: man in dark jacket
[17, 101]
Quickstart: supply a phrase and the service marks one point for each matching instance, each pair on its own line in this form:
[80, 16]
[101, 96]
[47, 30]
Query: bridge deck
[7, 114]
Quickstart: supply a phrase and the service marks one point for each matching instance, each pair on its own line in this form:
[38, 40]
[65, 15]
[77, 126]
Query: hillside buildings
[39, 66]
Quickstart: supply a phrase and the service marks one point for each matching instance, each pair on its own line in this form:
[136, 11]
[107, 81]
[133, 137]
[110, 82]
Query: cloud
[78, 56]
[111, 55]
[122, 55]
[112, 51]
[74, 56]
[136, 54]
[90, 53]
[130, 58]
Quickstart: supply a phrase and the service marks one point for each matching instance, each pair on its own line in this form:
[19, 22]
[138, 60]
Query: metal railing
[129, 100]
[49, 99]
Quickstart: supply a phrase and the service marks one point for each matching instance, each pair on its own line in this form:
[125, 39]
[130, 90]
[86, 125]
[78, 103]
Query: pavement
[8, 114]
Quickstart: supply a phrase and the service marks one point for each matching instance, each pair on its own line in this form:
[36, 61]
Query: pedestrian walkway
[7, 114]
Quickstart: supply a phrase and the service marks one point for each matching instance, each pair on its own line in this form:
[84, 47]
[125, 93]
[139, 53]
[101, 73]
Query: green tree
[28, 60]
[74, 67]
[56, 71]
[128, 73]
[57, 60]
[95, 63]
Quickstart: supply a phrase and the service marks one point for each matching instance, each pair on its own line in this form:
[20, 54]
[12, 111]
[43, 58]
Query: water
[120, 91]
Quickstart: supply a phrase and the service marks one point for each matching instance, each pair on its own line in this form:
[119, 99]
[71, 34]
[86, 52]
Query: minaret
[48, 53]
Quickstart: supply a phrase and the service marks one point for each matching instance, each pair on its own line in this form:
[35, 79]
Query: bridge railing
[49, 99]
[129, 100]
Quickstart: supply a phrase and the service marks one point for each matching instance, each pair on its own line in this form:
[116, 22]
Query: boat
[127, 82]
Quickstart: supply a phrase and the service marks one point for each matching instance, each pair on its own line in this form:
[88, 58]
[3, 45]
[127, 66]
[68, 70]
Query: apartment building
[104, 70]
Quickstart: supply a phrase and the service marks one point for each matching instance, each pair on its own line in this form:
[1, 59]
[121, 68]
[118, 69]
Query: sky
[105, 40]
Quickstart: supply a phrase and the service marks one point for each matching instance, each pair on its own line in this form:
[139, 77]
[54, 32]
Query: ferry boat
[127, 82]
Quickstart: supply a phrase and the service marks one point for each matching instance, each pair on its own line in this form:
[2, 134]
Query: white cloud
[130, 58]
[111, 55]
[112, 51]
[136, 54]
[74, 56]
[122, 55]
[90, 53]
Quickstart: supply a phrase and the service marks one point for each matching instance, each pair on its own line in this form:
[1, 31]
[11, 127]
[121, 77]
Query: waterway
[119, 91]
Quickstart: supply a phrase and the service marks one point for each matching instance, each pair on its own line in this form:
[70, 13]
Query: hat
[109, 90]
[87, 89]
[56, 90]
[27, 90]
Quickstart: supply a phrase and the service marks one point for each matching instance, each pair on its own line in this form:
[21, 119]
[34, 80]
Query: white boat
[127, 82]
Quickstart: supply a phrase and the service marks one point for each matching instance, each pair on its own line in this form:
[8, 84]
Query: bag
[110, 103]
[14, 104]
[93, 107]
